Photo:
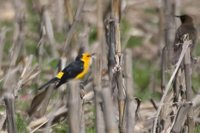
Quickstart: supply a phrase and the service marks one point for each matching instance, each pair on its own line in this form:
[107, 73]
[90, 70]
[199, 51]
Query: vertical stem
[189, 93]
[110, 37]
[74, 107]
[99, 121]
[116, 12]
[185, 46]
[2, 44]
[169, 27]
[69, 11]
[163, 68]
[19, 34]
[110, 120]
[82, 120]
[59, 15]
[116, 16]
[121, 99]
[131, 106]
[49, 30]
[10, 110]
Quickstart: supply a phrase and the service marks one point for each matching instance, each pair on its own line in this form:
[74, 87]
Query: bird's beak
[177, 16]
[93, 54]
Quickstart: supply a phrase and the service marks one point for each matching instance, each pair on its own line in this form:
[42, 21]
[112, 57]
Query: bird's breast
[85, 70]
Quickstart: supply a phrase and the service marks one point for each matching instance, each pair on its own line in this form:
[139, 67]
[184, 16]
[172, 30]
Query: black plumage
[69, 72]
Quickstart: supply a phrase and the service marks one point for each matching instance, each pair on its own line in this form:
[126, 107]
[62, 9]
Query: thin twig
[38, 127]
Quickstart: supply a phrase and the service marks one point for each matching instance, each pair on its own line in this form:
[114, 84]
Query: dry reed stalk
[189, 91]
[169, 26]
[100, 119]
[130, 106]
[116, 12]
[59, 15]
[185, 46]
[10, 111]
[74, 107]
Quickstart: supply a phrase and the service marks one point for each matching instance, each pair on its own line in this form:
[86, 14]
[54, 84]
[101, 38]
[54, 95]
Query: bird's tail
[48, 83]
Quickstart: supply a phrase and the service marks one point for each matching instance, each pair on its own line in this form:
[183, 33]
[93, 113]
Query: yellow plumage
[86, 58]
[59, 75]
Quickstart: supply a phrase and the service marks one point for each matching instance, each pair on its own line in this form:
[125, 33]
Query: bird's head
[85, 57]
[185, 18]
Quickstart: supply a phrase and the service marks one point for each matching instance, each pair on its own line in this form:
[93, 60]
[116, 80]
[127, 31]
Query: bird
[186, 27]
[75, 70]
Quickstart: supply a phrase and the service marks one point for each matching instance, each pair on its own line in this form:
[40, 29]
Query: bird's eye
[88, 55]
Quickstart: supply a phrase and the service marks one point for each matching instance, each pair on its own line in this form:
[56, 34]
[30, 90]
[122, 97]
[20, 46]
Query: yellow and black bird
[75, 70]
[186, 27]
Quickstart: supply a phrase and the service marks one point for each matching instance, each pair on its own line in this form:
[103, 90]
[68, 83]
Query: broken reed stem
[16, 50]
[108, 108]
[130, 106]
[184, 49]
[38, 123]
[116, 12]
[121, 99]
[180, 118]
[10, 111]
[116, 16]
[189, 92]
[74, 107]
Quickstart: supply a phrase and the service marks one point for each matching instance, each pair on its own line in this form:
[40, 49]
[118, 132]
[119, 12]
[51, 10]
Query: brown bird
[186, 27]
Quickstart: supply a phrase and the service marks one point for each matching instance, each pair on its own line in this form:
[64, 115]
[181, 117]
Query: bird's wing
[179, 33]
[178, 42]
[72, 70]
[182, 30]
